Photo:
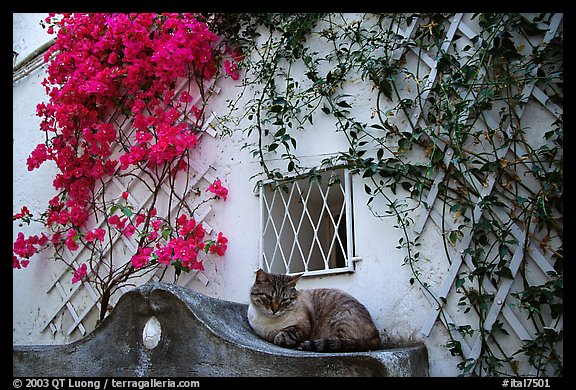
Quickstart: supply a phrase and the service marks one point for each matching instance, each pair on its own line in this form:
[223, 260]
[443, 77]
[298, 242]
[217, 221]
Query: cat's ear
[261, 277]
[294, 279]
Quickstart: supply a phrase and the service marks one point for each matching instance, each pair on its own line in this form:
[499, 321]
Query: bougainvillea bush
[114, 110]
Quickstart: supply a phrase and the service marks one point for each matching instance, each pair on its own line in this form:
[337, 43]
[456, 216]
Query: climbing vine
[493, 177]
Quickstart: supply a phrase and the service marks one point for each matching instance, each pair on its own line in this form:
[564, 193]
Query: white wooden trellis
[65, 293]
[439, 296]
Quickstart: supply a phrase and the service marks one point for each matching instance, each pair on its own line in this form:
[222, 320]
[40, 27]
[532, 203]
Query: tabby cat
[324, 319]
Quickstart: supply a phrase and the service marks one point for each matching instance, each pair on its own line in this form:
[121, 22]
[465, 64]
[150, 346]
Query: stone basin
[164, 330]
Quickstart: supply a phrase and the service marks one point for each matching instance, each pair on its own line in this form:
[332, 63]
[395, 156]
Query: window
[307, 225]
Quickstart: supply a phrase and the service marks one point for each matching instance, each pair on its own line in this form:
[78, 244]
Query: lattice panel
[502, 309]
[73, 308]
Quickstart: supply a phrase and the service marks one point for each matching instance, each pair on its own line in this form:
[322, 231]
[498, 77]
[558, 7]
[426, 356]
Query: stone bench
[164, 330]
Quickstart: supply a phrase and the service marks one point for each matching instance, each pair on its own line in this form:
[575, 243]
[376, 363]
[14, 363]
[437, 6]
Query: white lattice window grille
[307, 225]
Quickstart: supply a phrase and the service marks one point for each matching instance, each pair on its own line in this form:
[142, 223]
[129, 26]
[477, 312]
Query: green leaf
[386, 88]
[368, 173]
[454, 208]
[208, 243]
[455, 348]
[453, 236]
[505, 272]
[437, 156]
[459, 282]
[126, 211]
[167, 232]
[403, 144]
[276, 108]
[503, 250]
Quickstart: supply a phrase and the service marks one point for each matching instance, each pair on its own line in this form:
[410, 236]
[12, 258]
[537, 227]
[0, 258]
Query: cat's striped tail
[334, 344]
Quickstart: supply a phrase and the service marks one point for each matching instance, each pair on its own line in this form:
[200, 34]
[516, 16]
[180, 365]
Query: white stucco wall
[380, 280]
[33, 189]
[27, 33]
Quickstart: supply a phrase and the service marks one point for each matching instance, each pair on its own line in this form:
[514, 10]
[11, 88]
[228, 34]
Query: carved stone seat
[161, 330]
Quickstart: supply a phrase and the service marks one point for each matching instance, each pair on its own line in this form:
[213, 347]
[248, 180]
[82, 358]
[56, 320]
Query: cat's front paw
[285, 339]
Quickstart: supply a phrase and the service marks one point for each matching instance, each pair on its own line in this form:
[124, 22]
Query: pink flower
[71, 240]
[112, 58]
[38, 156]
[231, 69]
[97, 234]
[220, 246]
[56, 238]
[54, 202]
[185, 97]
[77, 214]
[140, 218]
[143, 136]
[129, 231]
[141, 258]
[94, 86]
[186, 250]
[156, 224]
[217, 189]
[164, 254]
[63, 217]
[186, 225]
[24, 212]
[115, 220]
[79, 273]
[15, 262]
[125, 195]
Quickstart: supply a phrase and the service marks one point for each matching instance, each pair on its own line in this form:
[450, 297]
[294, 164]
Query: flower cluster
[24, 248]
[117, 63]
[178, 247]
[106, 70]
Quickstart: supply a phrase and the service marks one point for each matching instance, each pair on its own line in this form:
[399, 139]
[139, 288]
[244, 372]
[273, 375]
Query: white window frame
[289, 228]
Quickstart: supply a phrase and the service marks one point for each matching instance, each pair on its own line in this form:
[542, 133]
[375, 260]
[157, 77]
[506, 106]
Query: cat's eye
[264, 297]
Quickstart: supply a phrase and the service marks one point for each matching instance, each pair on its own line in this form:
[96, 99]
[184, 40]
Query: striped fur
[315, 320]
